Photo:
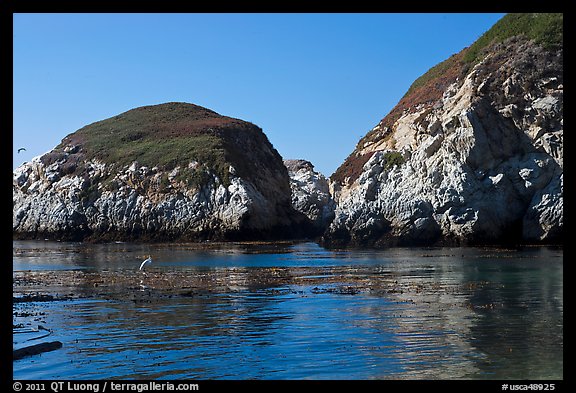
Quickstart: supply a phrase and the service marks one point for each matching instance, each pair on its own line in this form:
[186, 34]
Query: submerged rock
[36, 349]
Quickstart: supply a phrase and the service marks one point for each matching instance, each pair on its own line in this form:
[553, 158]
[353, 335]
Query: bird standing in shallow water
[146, 262]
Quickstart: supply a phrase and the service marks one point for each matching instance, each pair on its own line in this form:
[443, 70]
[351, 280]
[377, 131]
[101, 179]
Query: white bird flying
[146, 262]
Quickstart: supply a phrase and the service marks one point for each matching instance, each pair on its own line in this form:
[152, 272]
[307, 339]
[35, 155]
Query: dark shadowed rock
[36, 349]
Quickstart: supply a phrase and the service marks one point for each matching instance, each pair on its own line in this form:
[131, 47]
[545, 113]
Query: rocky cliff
[311, 194]
[174, 171]
[472, 154]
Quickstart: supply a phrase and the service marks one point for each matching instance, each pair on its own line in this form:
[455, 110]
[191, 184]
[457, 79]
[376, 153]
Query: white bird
[146, 262]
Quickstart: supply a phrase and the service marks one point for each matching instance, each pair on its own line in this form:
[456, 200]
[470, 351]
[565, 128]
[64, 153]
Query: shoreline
[209, 244]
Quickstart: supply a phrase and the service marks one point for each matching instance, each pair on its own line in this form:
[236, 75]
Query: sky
[315, 83]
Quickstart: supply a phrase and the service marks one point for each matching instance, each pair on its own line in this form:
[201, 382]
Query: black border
[9, 7]
[294, 6]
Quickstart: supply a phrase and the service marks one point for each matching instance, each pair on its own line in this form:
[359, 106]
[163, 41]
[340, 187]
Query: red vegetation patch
[424, 92]
[428, 89]
[352, 167]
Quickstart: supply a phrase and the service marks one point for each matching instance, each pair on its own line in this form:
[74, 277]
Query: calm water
[499, 315]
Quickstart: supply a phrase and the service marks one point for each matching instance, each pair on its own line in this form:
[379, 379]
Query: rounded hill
[170, 135]
[174, 171]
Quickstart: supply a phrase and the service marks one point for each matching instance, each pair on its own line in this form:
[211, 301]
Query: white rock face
[310, 193]
[484, 164]
[137, 202]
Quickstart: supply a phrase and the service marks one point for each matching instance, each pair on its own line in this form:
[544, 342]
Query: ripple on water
[387, 316]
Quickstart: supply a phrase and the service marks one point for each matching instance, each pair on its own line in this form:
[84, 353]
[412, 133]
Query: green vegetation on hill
[163, 136]
[544, 29]
[144, 135]
[392, 158]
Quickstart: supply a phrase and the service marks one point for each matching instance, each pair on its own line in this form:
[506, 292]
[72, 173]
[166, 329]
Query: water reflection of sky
[499, 316]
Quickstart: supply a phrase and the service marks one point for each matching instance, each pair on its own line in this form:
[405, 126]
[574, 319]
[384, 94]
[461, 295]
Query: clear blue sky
[315, 83]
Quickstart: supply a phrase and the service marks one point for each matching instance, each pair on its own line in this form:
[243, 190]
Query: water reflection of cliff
[520, 319]
[481, 317]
